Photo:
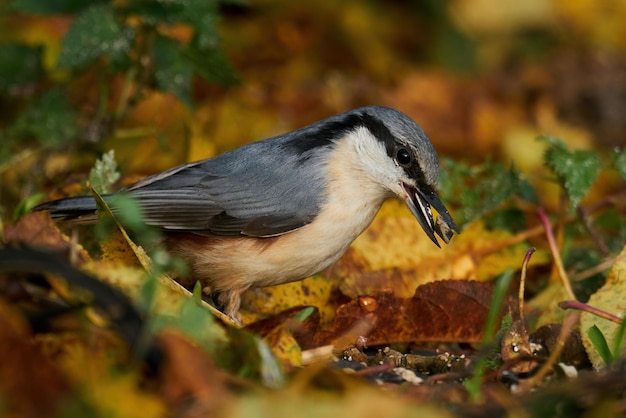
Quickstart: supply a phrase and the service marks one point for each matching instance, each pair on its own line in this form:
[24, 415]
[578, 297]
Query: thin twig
[604, 265]
[379, 368]
[555, 254]
[580, 306]
[520, 296]
[584, 218]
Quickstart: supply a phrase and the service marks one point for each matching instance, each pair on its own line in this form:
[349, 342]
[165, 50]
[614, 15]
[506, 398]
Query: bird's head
[395, 152]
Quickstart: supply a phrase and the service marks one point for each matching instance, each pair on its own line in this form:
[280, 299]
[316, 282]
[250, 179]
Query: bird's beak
[420, 203]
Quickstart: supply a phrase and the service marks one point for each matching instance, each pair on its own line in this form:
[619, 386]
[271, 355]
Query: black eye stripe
[382, 133]
[318, 136]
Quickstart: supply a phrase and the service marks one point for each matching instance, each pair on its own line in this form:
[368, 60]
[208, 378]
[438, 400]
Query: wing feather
[249, 192]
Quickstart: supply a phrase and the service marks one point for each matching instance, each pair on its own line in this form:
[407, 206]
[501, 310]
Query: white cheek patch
[374, 160]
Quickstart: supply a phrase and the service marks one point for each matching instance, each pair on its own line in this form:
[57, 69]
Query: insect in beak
[420, 205]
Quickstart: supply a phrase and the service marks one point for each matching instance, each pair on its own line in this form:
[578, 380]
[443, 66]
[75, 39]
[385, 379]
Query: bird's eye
[403, 156]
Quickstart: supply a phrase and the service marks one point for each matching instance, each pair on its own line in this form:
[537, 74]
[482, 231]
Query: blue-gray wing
[252, 191]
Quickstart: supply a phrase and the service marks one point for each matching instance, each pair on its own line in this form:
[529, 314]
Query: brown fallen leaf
[189, 381]
[38, 230]
[443, 311]
[452, 309]
[26, 373]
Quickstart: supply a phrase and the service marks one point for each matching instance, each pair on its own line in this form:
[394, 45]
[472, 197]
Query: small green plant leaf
[503, 282]
[104, 173]
[196, 322]
[618, 343]
[619, 162]
[173, 72]
[576, 170]
[96, 32]
[200, 14]
[174, 63]
[128, 211]
[210, 64]
[477, 190]
[21, 65]
[27, 204]
[50, 119]
[250, 357]
[600, 344]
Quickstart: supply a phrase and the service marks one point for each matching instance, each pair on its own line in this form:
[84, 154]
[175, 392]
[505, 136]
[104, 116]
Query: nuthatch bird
[285, 208]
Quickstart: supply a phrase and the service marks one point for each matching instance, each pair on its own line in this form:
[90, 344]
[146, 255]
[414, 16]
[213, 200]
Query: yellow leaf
[112, 392]
[313, 291]
[350, 397]
[395, 254]
[285, 348]
[600, 22]
[546, 303]
[610, 298]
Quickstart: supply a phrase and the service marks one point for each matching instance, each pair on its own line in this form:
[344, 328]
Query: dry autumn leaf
[318, 291]
[442, 311]
[390, 256]
[25, 372]
[610, 298]
[90, 367]
[39, 231]
[189, 380]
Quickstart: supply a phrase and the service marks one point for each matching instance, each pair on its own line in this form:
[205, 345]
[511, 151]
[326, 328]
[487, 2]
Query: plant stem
[574, 304]
[555, 253]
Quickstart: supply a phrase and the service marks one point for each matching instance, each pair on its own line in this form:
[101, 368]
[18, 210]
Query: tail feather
[81, 209]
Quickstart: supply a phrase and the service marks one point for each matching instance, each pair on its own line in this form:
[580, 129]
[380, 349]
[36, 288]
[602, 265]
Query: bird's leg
[229, 301]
